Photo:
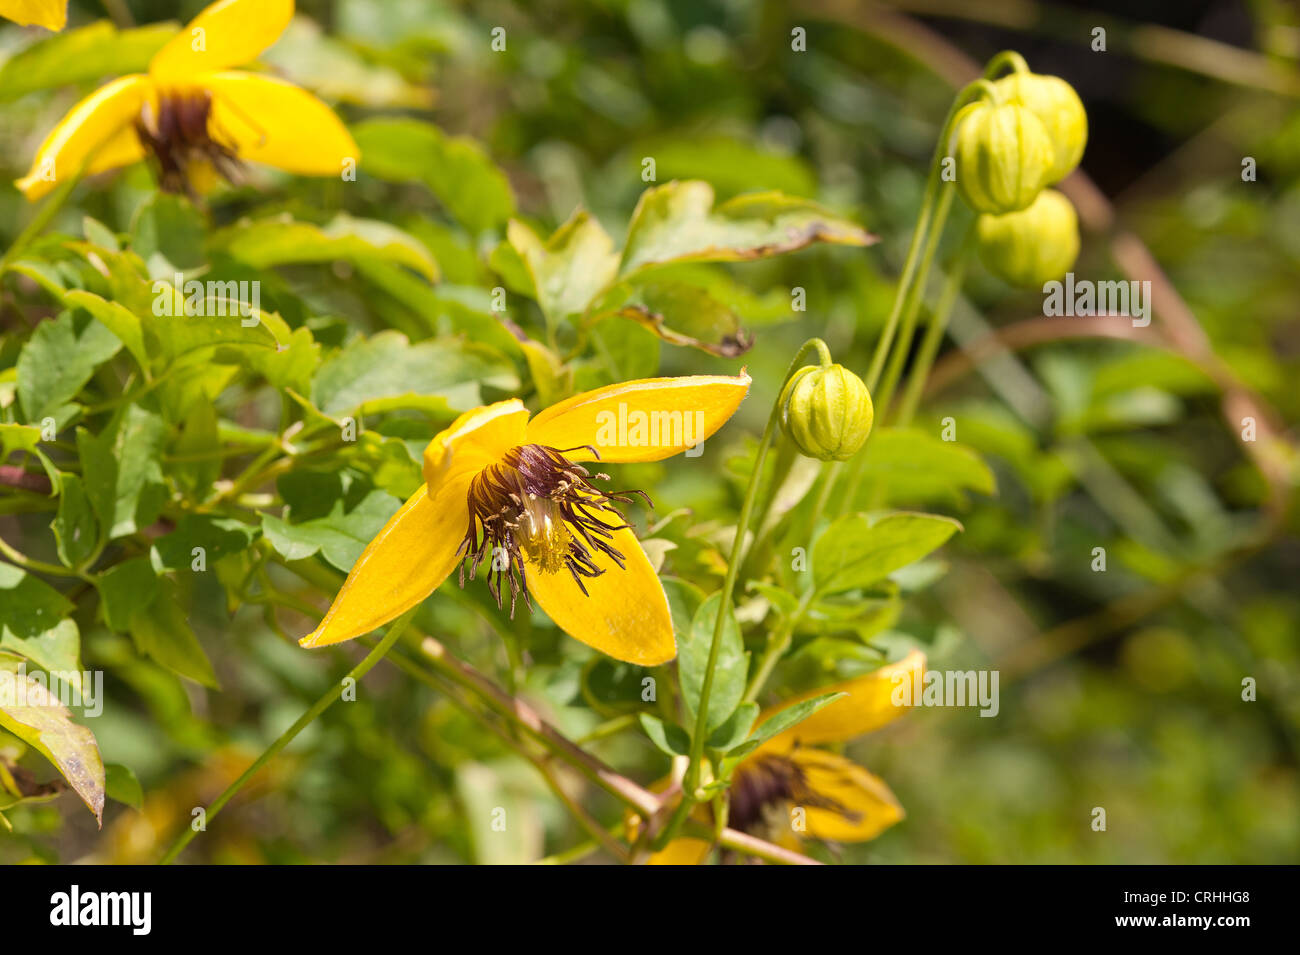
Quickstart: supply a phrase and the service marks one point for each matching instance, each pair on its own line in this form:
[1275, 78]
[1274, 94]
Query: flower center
[764, 789]
[178, 135]
[536, 505]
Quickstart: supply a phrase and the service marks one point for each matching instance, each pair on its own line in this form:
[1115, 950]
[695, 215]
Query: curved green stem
[885, 394]
[934, 332]
[692, 779]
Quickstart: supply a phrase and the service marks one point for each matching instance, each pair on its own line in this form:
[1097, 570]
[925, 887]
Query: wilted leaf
[677, 222]
[683, 314]
[30, 712]
[570, 268]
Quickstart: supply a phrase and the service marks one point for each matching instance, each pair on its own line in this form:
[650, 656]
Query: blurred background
[1120, 690]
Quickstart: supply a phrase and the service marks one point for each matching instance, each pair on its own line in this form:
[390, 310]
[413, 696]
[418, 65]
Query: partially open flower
[826, 412]
[837, 799]
[1004, 156]
[1033, 246]
[195, 118]
[1058, 108]
[512, 491]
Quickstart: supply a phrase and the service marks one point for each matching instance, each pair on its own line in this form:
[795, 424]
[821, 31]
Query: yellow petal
[868, 706]
[90, 136]
[865, 807]
[227, 33]
[475, 439]
[405, 563]
[645, 420]
[271, 121]
[625, 612]
[51, 14]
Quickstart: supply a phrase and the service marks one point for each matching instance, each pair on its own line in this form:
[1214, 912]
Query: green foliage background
[1120, 690]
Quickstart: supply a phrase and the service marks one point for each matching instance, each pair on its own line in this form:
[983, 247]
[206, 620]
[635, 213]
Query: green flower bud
[826, 412]
[1033, 246]
[1058, 108]
[1004, 157]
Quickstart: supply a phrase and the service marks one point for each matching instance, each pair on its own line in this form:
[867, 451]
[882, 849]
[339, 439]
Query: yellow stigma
[545, 538]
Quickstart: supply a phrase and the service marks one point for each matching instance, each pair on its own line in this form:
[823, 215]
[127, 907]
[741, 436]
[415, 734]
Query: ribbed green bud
[1058, 108]
[1004, 157]
[1033, 246]
[826, 412]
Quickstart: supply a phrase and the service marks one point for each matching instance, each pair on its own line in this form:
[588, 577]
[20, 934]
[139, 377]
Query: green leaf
[915, 467]
[668, 737]
[123, 786]
[779, 597]
[730, 672]
[161, 631]
[735, 730]
[30, 712]
[731, 166]
[75, 530]
[454, 168]
[122, 472]
[439, 372]
[217, 536]
[199, 436]
[283, 241]
[126, 589]
[81, 56]
[168, 233]
[856, 551]
[34, 624]
[57, 361]
[122, 322]
[782, 720]
[336, 72]
[570, 268]
[340, 536]
[677, 222]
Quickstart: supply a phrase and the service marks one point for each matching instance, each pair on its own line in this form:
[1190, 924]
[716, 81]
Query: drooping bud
[1033, 246]
[827, 412]
[1058, 108]
[1004, 156]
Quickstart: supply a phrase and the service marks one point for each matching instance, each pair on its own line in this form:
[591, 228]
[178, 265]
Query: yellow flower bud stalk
[1058, 108]
[1033, 246]
[1004, 156]
[827, 412]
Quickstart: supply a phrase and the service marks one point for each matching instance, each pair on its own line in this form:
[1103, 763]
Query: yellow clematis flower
[510, 489]
[842, 802]
[194, 117]
[51, 14]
